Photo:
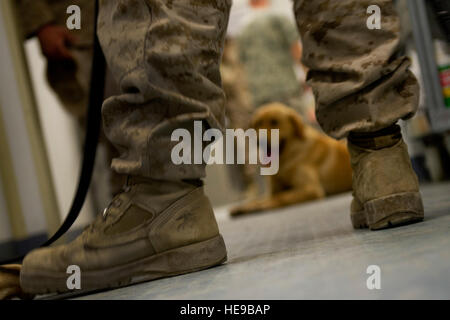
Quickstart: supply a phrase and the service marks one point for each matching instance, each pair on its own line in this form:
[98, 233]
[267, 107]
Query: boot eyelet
[105, 212]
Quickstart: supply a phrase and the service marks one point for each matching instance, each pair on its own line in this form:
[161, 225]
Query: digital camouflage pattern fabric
[165, 56]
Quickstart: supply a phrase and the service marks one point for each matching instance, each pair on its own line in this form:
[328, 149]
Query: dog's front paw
[238, 211]
[252, 207]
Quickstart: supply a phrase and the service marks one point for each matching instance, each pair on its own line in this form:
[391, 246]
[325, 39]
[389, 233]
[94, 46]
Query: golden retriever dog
[311, 164]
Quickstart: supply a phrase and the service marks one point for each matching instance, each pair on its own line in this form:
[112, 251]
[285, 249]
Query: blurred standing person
[238, 108]
[269, 47]
[68, 52]
[239, 102]
[69, 56]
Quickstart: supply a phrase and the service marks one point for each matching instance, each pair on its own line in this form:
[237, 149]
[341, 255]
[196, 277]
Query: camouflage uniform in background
[69, 79]
[239, 104]
[265, 51]
[238, 107]
[165, 57]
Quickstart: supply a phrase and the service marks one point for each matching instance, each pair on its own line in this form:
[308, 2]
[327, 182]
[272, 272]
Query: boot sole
[191, 258]
[390, 211]
[359, 220]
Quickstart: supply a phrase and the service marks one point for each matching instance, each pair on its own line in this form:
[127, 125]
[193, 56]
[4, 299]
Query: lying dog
[312, 165]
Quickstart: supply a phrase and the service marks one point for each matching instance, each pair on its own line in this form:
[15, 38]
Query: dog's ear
[297, 122]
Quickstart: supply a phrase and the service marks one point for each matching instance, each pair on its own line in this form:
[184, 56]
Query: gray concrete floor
[310, 251]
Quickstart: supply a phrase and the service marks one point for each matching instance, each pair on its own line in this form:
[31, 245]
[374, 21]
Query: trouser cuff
[384, 138]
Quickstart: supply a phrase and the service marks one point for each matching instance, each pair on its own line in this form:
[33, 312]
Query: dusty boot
[385, 187]
[152, 229]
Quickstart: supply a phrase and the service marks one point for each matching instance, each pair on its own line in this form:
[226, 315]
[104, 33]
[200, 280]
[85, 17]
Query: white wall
[60, 134]
[61, 140]
[19, 143]
[5, 230]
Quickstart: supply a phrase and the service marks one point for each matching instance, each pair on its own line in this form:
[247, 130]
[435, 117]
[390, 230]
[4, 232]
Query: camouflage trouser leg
[359, 81]
[165, 57]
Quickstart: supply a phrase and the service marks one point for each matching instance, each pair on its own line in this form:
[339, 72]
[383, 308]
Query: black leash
[90, 142]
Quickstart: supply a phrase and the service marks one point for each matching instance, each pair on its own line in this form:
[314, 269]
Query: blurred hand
[55, 41]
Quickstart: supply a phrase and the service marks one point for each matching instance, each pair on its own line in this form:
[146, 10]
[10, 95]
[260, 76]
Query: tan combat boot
[151, 230]
[385, 187]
